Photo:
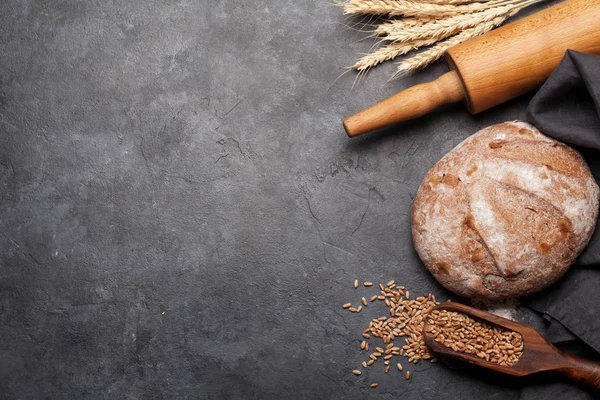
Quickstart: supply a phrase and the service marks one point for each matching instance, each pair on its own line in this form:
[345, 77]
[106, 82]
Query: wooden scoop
[538, 354]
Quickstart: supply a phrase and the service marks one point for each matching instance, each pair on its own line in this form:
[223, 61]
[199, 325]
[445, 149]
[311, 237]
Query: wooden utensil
[495, 67]
[538, 355]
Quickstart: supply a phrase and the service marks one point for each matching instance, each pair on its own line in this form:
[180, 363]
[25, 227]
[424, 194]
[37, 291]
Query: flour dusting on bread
[505, 213]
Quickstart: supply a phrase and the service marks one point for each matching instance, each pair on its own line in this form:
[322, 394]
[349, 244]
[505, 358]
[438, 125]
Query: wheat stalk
[436, 52]
[443, 28]
[425, 23]
[411, 8]
[397, 25]
[455, 2]
[399, 48]
[390, 52]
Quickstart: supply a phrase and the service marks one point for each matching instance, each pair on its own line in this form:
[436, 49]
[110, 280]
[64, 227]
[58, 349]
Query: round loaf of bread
[505, 213]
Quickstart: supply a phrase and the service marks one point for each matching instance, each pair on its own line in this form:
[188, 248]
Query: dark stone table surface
[182, 215]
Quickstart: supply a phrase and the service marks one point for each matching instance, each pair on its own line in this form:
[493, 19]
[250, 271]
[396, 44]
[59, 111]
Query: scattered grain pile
[406, 319]
[466, 334]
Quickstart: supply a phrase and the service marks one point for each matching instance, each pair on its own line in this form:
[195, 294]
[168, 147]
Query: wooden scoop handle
[581, 370]
[411, 103]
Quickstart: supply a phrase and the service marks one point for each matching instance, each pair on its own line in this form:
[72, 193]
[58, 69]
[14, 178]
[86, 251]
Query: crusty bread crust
[505, 213]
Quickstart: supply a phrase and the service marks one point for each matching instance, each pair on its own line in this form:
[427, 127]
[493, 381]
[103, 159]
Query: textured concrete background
[182, 214]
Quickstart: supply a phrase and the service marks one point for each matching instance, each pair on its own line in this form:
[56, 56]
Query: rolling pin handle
[411, 103]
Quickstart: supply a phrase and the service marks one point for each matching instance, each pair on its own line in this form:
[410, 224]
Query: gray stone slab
[182, 215]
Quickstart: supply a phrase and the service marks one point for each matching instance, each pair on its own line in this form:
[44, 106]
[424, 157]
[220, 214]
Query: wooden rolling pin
[495, 67]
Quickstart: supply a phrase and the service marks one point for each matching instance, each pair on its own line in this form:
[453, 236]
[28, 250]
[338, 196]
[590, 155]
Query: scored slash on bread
[505, 213]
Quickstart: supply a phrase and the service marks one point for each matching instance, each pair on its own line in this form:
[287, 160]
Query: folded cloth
[567, 108]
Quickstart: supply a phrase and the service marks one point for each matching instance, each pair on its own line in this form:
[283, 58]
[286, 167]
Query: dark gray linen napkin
[567, 108]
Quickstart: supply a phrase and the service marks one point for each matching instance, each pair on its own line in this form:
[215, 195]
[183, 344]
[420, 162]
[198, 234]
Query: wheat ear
[446, 27]
[397, 25]
[411, 8]
[436, 52]
[390, 52]
[455, 2]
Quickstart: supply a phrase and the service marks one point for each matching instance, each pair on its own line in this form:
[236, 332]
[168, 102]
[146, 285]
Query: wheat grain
[407, 322]
[466, 334]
